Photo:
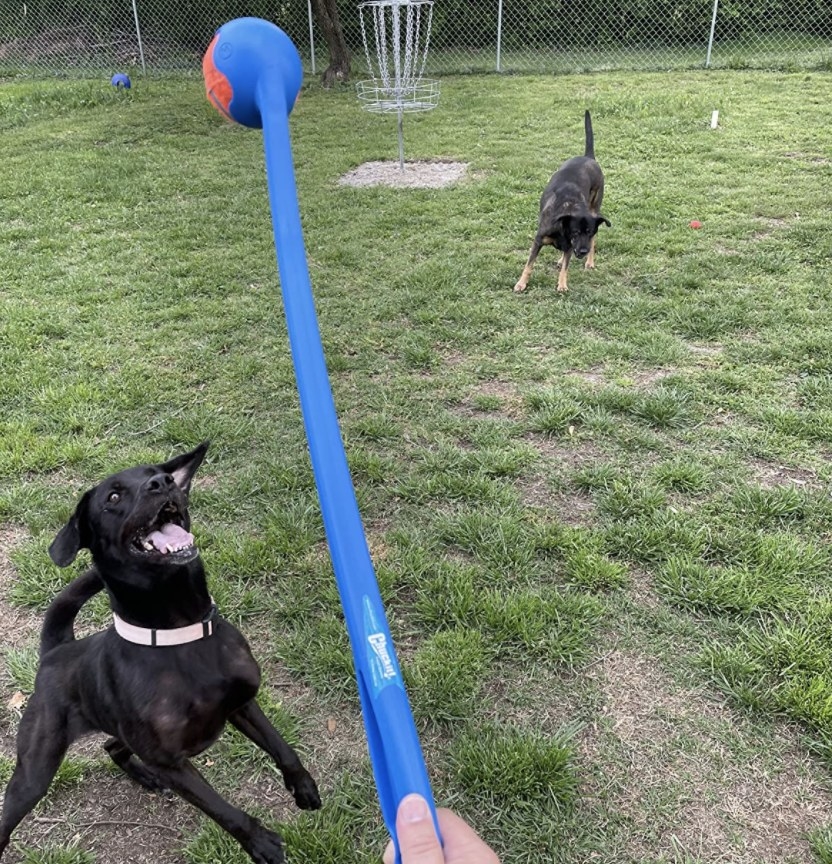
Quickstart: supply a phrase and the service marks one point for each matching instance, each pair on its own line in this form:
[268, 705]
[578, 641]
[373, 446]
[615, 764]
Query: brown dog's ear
[72, 537]
[182, 468]
[564, 219]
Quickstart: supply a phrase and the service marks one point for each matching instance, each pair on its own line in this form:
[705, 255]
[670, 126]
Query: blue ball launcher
[253, 76]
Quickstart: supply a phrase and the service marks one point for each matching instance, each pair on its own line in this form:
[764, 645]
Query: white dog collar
[164, 638]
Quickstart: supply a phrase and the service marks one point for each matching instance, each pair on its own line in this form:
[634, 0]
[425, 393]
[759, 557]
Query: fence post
[711, 38]
[499, 31]
[311, 34]
[139, 37]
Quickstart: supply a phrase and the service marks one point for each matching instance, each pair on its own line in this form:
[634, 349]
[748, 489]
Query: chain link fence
[88, 37]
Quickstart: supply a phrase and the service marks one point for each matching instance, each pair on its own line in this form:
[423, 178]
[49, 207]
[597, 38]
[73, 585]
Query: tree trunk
[338, 70]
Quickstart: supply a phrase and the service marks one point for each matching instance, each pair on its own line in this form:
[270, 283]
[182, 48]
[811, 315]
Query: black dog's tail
[60, 616]
[590, 140]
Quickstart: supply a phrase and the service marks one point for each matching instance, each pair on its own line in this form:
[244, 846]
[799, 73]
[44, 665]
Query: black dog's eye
[113, 497]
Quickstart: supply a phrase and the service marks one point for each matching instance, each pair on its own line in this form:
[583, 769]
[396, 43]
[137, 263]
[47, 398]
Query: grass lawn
[600, 521]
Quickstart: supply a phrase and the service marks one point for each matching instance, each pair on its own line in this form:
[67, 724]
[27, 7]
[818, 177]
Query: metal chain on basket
[408, 76]
[427, 39]
[381, 41]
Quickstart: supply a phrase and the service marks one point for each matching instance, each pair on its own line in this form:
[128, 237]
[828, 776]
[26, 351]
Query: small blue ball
[120, 80]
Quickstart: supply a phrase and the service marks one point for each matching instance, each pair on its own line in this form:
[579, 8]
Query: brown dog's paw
[519, 287]
[305, 791]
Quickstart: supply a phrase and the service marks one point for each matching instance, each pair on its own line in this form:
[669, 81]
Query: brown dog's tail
[590, 139]
[58, 625]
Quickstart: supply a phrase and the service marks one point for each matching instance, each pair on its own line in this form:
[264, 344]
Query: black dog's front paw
[305, 790]
[148, 779]
[265, 847]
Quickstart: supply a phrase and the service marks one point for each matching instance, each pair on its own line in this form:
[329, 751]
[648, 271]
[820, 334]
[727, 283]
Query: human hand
[420, 845]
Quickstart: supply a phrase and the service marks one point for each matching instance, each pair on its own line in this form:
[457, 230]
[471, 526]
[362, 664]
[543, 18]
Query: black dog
[163, 680]
[570, 212]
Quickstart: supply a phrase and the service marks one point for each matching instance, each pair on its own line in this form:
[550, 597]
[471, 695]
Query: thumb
[418, 843]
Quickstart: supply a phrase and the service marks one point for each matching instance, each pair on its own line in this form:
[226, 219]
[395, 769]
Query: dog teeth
[167, 549]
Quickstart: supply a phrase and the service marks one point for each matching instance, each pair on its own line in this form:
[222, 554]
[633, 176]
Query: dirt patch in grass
[770, 475]
[560, 457]
[648, 377]
[722, 419]
[703, 352]
[640, 379]
[543, 698]
[772, 224]
[334, 740]
[505, 390]
[416, 175]
[575, 508]
[568, 452]
[536, 491]
[507, 401]
[814, 158]
[642, 591]
[692, 775]
[594, 376]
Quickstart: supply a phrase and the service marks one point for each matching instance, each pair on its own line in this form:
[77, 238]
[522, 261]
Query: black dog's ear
[72, 537]
[182, 468]
[599, 219]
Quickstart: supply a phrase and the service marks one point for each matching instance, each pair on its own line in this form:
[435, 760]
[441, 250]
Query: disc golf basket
[396, 50]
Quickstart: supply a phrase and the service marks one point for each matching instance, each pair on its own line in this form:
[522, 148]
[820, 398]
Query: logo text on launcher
[378, 641]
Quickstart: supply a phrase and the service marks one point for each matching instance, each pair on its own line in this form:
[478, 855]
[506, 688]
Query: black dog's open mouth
[165, 535]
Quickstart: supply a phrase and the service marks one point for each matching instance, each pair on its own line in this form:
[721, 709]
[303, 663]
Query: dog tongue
[171, 537]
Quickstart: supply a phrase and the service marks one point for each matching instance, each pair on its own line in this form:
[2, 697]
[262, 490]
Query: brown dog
[570, 212]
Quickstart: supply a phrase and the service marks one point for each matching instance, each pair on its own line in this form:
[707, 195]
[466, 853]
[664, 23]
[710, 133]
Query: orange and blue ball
[243, 54]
